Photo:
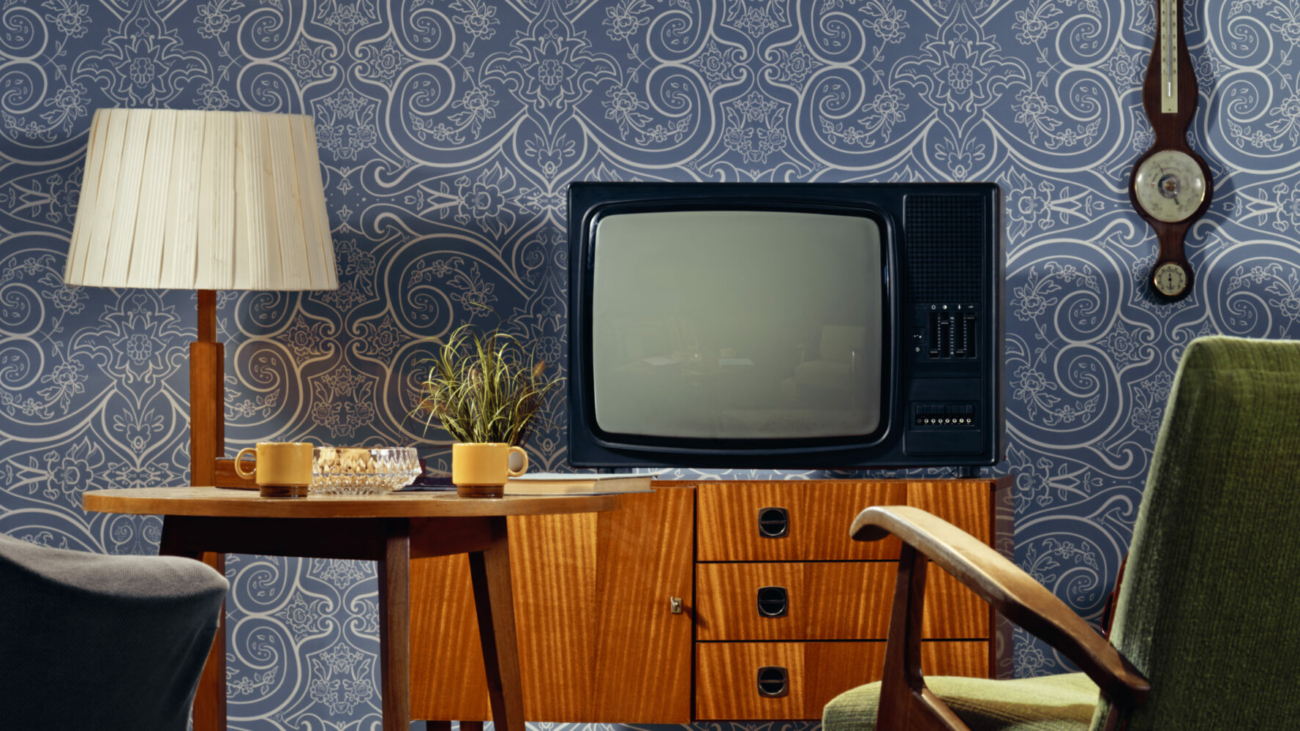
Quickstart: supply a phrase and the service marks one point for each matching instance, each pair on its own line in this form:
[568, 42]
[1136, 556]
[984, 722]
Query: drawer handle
[773, 601]
[773, 522]
[773, 681]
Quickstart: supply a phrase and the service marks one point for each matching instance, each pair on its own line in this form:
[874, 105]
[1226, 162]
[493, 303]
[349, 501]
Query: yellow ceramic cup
[481, 469]
[283, 469]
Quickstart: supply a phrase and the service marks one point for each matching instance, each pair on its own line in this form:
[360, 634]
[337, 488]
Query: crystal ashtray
[362, 470]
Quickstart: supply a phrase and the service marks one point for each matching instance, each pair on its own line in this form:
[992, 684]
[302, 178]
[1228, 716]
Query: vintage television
[785, 325]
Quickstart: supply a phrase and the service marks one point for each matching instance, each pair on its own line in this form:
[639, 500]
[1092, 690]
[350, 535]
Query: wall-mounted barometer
[1171, 185]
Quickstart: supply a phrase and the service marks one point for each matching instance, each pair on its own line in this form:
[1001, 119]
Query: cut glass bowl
[362, 470]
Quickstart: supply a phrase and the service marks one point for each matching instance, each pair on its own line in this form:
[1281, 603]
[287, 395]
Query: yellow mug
[481, 469]
[283, 469]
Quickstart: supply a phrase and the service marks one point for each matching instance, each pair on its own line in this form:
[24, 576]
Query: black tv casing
[942, 250]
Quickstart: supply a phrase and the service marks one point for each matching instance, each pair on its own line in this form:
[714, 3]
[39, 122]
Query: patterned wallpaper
[449, 129]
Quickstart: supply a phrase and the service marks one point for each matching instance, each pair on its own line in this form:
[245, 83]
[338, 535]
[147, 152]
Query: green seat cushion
[1052, 703]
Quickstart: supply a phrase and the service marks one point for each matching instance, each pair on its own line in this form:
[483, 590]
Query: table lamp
[206, 201]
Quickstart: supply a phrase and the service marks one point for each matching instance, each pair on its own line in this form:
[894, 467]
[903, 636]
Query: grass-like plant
[485, 388]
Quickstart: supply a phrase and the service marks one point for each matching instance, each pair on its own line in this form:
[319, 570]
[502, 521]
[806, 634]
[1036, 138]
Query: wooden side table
[205, 523]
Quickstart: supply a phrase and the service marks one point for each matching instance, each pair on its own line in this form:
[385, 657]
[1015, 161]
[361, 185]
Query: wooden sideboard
[601, 642]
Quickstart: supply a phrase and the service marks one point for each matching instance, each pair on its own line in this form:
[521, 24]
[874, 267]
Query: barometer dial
[1170, 186]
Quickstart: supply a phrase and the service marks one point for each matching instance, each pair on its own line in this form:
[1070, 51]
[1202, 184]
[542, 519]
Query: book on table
[558, 483]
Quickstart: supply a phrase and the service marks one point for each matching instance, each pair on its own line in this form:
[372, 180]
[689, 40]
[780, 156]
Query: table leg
[210, 700]
[395, 626]
[495, 605]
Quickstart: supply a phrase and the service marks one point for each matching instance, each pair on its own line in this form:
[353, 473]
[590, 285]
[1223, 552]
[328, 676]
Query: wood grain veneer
[599, 643]
[214, 502]
[447, 673]
[854, 605]
[207, 415]
[728, 519]
[966, 504]
[555, 608]
[952, 610]
[596, 638]
[726, 674]
[644, 559]
[827, 601]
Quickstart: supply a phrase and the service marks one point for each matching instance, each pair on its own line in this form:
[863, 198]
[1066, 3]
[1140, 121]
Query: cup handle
[239, 458]
[522, 455]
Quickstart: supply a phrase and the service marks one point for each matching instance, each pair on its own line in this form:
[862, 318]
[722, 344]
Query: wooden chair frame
[905, 702]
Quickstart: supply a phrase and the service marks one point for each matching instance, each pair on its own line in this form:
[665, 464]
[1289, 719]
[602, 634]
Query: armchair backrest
[102, 642]
[1209, 609]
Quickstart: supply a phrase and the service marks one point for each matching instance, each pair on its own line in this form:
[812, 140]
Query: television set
[785, 325]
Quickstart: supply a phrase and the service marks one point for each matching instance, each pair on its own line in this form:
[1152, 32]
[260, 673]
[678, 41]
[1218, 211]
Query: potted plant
[486, 391]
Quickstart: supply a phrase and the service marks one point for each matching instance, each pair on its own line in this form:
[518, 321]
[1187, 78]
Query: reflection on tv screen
[737, 324]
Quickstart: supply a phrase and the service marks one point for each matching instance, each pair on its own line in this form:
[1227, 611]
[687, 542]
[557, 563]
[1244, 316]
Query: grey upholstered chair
[102, 642]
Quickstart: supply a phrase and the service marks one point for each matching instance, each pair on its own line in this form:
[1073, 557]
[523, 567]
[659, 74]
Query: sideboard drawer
[965, 504]
[824, 601]
[727, 680]
[817, 519]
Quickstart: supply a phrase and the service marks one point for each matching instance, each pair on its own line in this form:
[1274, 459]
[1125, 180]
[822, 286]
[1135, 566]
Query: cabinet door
[448, 681]
[643, 650]
[553, 567]
[597, 641]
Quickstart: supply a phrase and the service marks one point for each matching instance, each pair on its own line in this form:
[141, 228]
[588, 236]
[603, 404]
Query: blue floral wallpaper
[449, 129]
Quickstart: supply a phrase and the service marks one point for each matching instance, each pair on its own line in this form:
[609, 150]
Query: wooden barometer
[1171, 185]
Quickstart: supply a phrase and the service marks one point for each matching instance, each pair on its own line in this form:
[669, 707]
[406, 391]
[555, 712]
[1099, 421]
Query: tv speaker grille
[945, 241]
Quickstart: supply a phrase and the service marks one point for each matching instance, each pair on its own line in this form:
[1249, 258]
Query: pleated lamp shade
[201, 200]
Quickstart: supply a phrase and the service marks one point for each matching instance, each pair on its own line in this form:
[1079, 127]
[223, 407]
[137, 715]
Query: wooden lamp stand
[207, 415]
[208, 464]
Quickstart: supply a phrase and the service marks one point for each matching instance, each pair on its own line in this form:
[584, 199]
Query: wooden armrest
[1010, 591]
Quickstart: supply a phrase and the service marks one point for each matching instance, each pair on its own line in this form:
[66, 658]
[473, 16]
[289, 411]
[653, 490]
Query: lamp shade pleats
[202, 200]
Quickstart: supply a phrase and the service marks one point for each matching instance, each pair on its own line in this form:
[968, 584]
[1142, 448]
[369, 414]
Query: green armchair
[1209, 610]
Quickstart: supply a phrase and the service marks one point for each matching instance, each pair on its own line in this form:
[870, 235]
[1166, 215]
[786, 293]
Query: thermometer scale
[1169, 15]
[1171, 186]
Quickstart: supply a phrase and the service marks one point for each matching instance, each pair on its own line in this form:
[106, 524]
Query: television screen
[737, 324]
